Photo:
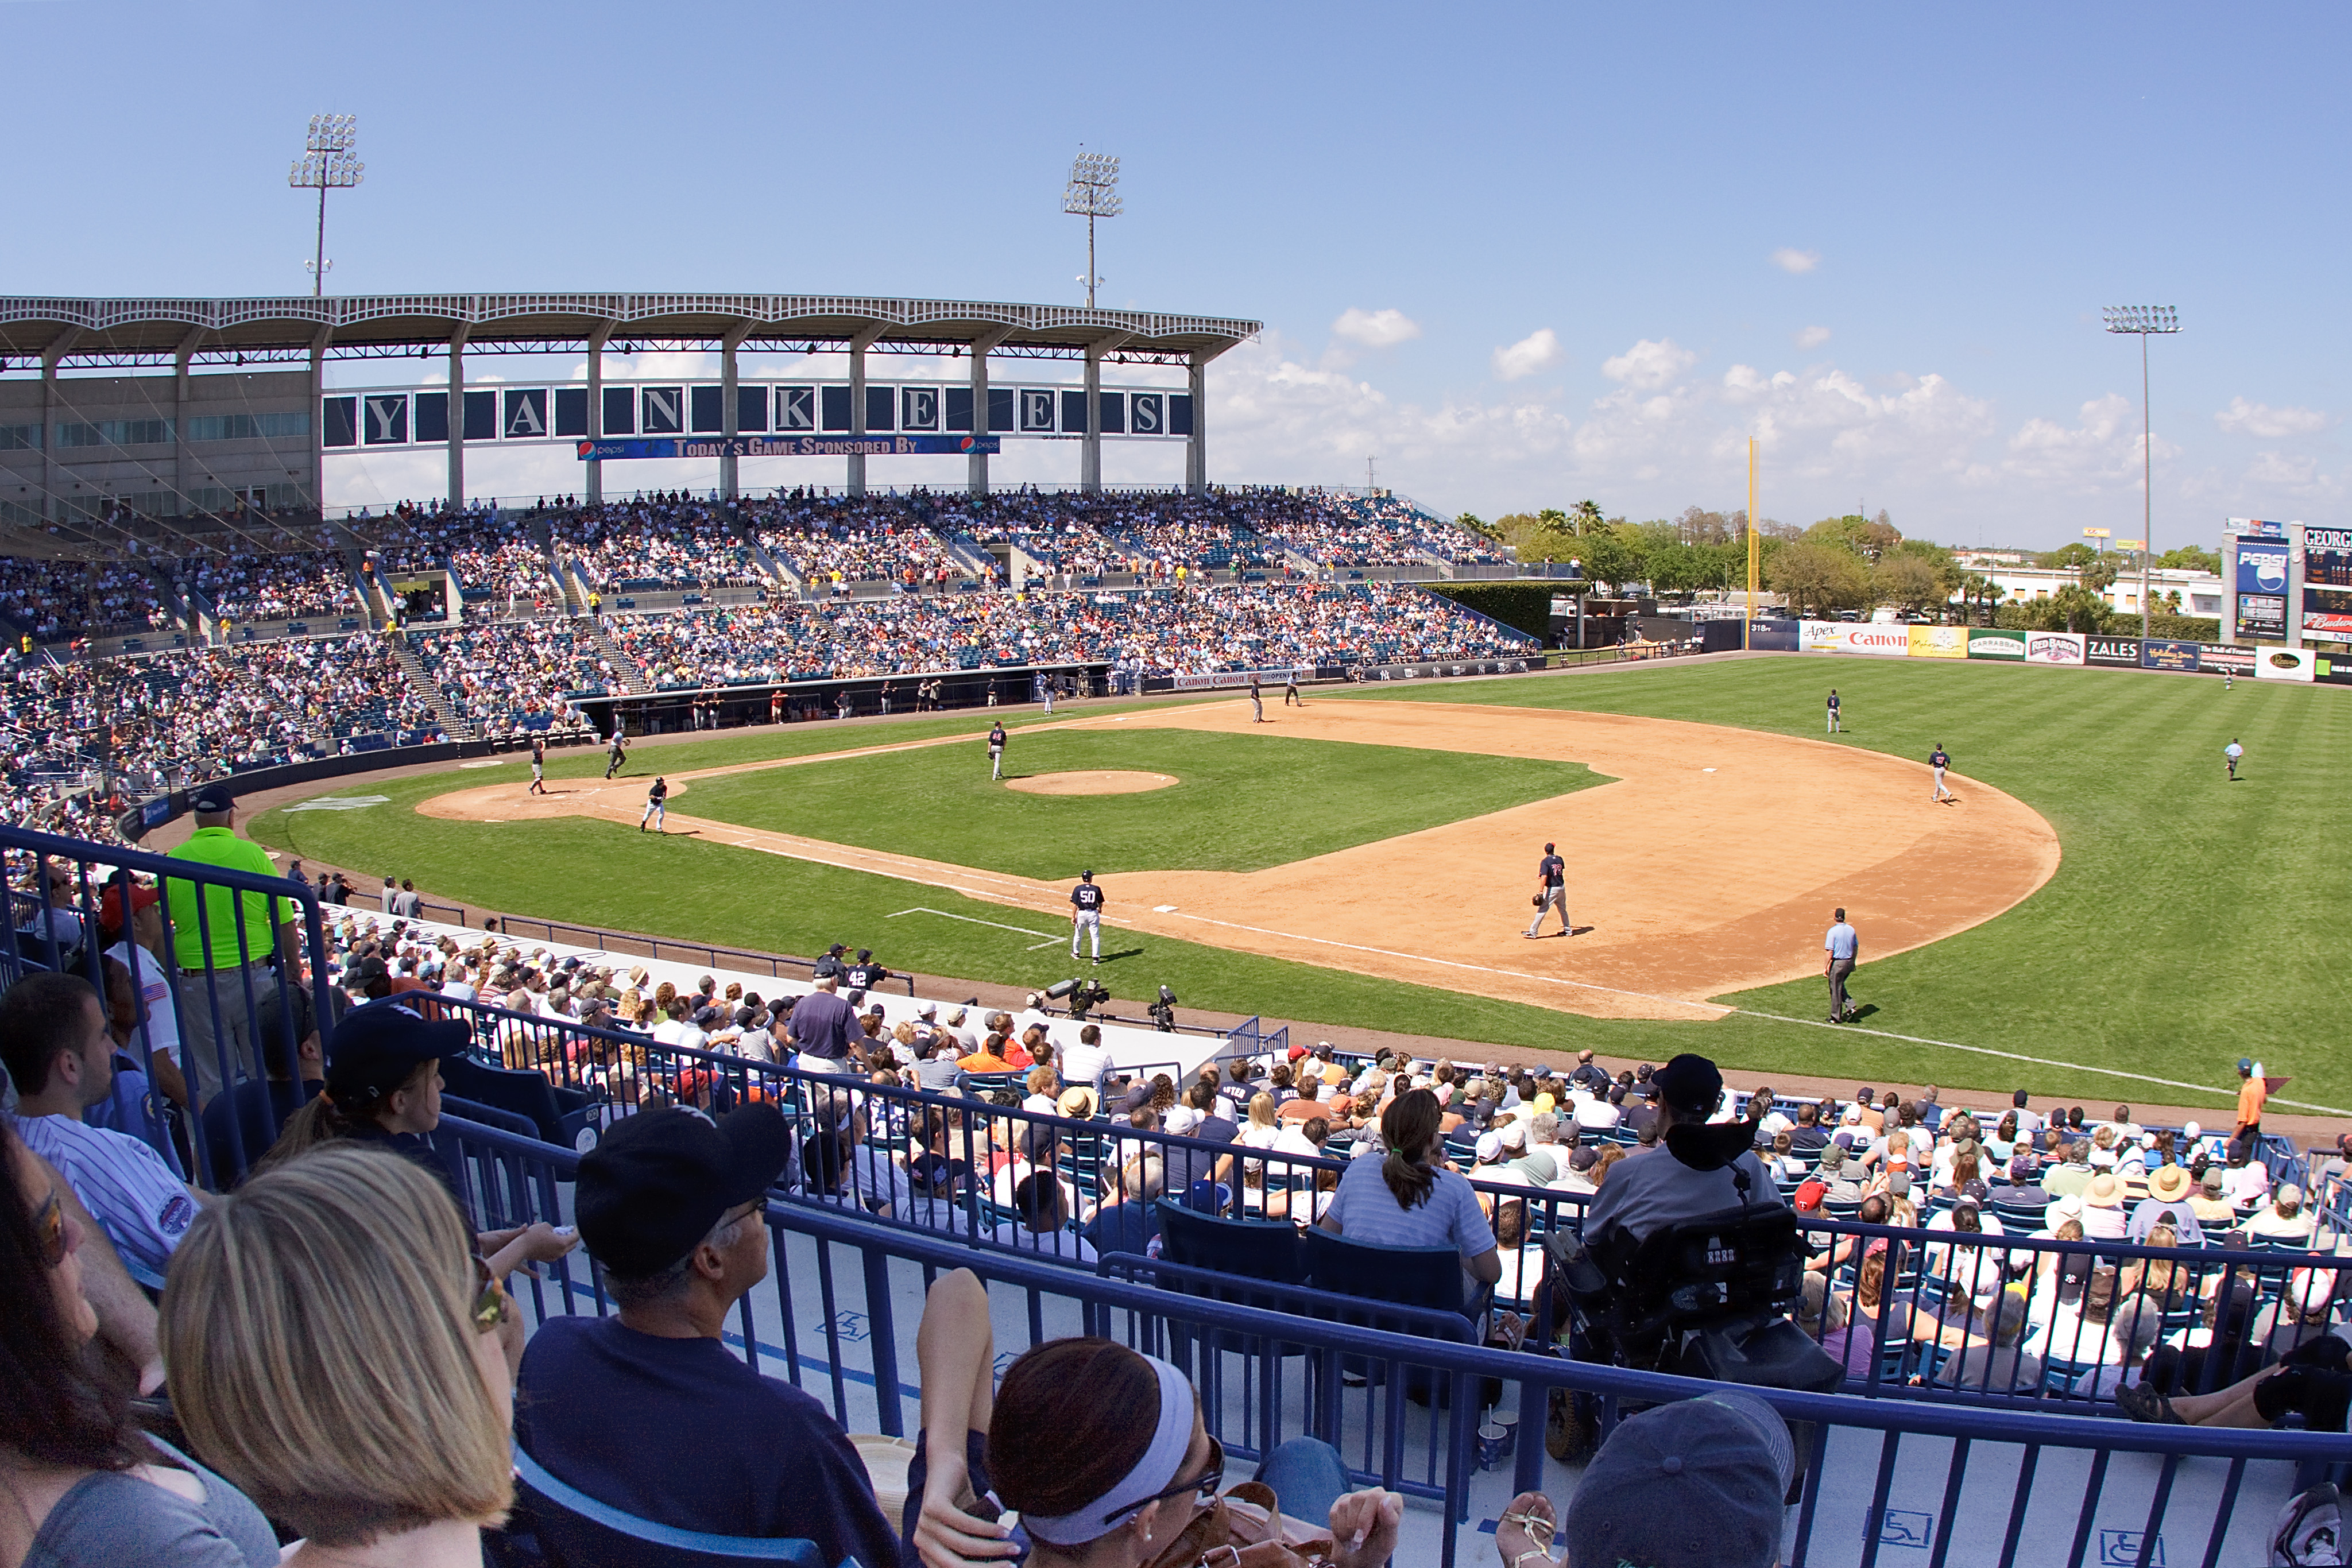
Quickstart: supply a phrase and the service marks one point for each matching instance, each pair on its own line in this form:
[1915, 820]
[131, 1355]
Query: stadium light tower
[2140, 321]
[1092, 192]
[327, 163]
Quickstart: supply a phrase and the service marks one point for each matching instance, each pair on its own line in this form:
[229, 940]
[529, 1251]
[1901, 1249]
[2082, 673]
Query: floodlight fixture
[2143, 322]
[1092, 192]
[327, 165]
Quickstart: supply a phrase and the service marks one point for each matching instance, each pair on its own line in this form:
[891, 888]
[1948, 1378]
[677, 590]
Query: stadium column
[1090, 463]
[982, 346]
[730, 416]
[317, 420]
[859, 341]
[50, 475]
[598, 337]
[182, 459]
[458, 416]
[1196, 445]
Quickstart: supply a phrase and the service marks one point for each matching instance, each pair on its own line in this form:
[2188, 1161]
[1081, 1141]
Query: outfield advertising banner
[2164, 653]
[2221, 659]
[1774, 636]
[1857, 637]
[1936, 642]
[1986, 644]
[2123, 651]
[2287, 664]
[2262, 615]
[2053, 648]
[2326, 585]
[1822, 636]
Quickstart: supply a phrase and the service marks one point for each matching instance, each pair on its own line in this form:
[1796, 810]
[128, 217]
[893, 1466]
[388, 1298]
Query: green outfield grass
[1241, 802]
[2191, 921]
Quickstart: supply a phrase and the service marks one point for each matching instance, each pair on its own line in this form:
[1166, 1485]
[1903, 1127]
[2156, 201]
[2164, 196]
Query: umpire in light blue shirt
[1843, 945]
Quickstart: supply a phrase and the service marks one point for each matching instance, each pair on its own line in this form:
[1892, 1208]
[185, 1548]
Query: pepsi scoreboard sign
[800, 419]
[2261, 579]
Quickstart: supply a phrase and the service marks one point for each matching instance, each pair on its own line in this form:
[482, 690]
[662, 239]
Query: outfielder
[2231, 754]
[996, 750]
[1937, 761]
[1086, 914]
[1551, 893]
[657, 807]
[1834, 729]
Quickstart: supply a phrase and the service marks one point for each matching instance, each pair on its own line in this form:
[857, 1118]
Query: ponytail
[318, 1122]
[1407, 1127]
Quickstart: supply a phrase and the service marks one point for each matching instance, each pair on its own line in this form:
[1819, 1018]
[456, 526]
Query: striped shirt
[125, 1185]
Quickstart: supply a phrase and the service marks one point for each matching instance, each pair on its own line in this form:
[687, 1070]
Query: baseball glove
[1536, 901]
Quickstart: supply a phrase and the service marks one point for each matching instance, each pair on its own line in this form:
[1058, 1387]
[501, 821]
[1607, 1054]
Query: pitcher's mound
[1093, 783]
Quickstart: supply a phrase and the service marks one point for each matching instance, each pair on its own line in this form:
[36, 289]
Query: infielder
[1290, 697]
[1086, 914]
[1257, 703]
[538, 766]
[1843, 945]
[1551, 893]
[1834, 729]
[620, 750]
[996, 750]
[1937, 761]
[2231, 754]
[657, 807]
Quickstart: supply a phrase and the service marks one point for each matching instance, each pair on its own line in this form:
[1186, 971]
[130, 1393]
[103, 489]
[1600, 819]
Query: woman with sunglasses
[1101, 1451]
[82, 1484]
[337, 1348]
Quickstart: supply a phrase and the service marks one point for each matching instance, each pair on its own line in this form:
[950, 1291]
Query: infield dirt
[1709, 864]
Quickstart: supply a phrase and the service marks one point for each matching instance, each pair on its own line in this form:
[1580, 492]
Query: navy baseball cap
[1690, 1082]
[212, 800]
[376, 1049]
[2245, 1063]
[653, 1188]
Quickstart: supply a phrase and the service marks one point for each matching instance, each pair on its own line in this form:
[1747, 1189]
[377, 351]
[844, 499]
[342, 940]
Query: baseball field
[2102, 904]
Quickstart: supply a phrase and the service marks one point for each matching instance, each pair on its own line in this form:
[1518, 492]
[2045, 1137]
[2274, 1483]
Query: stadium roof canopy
[128, 332]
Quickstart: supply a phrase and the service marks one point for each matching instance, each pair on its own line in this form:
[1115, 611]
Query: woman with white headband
[1101, 1452]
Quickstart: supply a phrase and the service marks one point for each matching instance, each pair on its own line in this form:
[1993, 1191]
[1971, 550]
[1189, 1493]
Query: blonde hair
[318, 1327]
[1261, 1110]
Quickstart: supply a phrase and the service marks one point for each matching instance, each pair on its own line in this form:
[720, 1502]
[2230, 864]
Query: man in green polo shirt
[228, 955]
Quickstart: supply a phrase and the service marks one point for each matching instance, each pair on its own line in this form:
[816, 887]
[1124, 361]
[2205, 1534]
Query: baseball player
[1257, 703]
[537, 766]
[1834, 729]
[1551, 893]
[657, 807]
[1843, 945]
[619, 752]
[996, 750]
[1290, 697]
[1937, 761]
[2231, 754]
[1086, 914]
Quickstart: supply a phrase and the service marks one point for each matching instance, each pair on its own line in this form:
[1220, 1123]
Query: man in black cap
[228, 946]
[374, 1061]
[648, 1410]
[865, 974]
[831, 963]
[1696, 1169]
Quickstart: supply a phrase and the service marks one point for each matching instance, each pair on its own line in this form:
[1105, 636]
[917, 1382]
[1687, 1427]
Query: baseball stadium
[2004, 962]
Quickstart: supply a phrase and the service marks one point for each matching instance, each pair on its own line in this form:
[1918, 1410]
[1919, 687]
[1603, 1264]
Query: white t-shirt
[154, 983]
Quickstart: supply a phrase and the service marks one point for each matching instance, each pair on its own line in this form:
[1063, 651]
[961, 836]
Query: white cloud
[2259, 419]
[1649, 364]
[1376, 328]
[1789, 259]
[1539, 350]
[1812, 337]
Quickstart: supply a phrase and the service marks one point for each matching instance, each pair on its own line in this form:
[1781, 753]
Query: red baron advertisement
[2053, 647]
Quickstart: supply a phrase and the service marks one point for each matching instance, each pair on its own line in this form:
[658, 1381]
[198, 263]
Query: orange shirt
[981, 1061]
[2250, 1095]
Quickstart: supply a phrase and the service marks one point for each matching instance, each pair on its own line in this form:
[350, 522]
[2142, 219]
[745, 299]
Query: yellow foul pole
[1753, 543]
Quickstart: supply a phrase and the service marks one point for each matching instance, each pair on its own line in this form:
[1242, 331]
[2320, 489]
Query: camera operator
[1696, 1169]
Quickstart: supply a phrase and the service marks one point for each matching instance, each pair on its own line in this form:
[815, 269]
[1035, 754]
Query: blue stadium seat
[575, 1530]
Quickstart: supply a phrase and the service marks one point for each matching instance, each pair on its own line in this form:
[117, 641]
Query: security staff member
[1086, 914]
[1696, 1168]
[1843, 945]
[1551, 893]
[226, 946]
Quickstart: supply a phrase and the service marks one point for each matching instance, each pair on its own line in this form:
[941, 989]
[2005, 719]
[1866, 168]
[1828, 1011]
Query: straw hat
[2170, 1182]
[2104, 1192]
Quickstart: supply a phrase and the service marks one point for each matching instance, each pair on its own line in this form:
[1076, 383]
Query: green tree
[1613, 554]
[1981, 594]
[1818, 578]
[2077, 554]
[1910, 582]
[1585, 517]
[1865, 538]
[2072, 608]
[1470, 522]
[2098, 574]
[2189, 558]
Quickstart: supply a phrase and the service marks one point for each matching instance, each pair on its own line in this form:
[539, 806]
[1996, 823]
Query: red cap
[110, 902]
[1811, 1192]
[1297, 1051]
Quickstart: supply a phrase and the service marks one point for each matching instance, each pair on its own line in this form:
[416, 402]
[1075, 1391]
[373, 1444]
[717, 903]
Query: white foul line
[968, 920]
[1723, 1010]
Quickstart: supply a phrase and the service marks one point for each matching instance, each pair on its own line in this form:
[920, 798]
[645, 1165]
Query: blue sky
[1521, 255]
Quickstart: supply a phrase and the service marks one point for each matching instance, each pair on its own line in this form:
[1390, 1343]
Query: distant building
[2201, 591]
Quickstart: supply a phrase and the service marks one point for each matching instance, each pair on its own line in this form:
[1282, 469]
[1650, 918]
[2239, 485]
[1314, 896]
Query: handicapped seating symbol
[853, 1328]
[1906, 1527]
[2120, 1549]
